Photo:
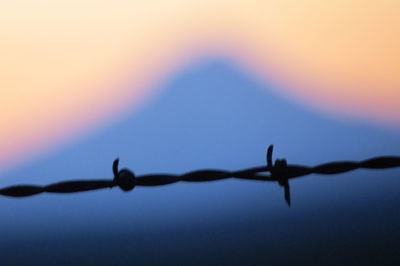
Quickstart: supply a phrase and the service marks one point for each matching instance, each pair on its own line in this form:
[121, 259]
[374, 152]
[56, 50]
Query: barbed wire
[279, 172]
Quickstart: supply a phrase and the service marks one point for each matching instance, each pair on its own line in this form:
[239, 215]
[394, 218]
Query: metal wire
[279, 172]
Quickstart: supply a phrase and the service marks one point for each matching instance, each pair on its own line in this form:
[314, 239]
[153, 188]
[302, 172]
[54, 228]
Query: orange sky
[67, 66]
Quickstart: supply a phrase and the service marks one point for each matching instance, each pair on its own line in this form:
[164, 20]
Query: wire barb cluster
[279, 172]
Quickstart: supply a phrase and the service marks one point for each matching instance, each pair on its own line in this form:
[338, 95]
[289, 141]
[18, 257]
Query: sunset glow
[67, 66]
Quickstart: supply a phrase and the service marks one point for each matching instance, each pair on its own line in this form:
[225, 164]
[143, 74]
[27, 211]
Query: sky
[338, 57]
[171, 88]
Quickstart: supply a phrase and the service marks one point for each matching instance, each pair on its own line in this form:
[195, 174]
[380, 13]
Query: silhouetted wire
[279, 172]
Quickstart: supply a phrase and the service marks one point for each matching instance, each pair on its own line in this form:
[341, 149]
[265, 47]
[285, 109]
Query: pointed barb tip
[269, 155]
[115, 168]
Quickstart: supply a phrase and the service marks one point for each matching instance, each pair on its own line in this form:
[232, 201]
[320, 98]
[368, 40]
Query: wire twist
[279, 172]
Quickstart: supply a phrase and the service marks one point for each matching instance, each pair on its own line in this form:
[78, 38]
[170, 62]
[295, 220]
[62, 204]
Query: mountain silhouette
[214, 111]
[212, 115]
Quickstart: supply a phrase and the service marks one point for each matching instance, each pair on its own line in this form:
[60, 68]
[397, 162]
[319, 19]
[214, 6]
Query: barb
[279, 172]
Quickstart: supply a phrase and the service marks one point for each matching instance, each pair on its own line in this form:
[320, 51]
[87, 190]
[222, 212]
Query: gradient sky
[173, 86]
[70, 66]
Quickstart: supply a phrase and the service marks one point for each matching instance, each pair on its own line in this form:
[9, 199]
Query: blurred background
[173, 86]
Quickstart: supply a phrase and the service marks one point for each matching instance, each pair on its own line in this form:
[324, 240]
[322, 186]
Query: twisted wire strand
[279, 172]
